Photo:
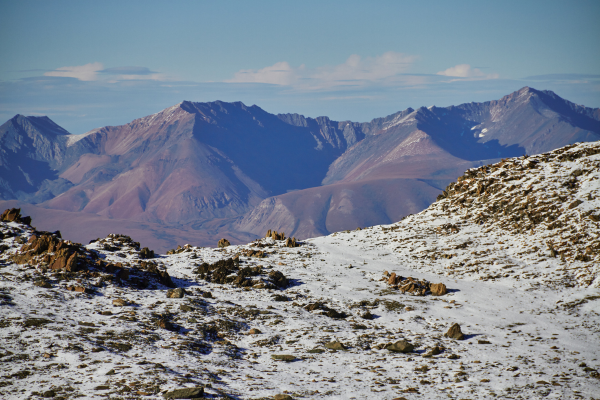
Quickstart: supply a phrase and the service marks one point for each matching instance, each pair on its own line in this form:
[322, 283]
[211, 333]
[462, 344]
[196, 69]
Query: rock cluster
[289, 242]
[413, 286]
[49, 250]
[146, 253]
[228, 271]
[254, 253]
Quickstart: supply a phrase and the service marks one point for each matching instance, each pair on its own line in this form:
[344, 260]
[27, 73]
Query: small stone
[49, 393]
[316, 351]
[43, 284]
[280, 297]
[335, 346]
[575, 204]
[254, 331]
[282, 397]
[367, 315]
[455, 333]
[186, 393]
[164, 324]
[434, 352]
[223, 243]
[401, 346]
[175, 293]
[79, 289]
[119, 302]
[283, 357]
[111, 372]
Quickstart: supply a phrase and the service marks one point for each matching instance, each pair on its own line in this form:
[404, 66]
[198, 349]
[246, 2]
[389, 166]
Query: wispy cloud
[87, 72]
[96, 71]
[466, 71]
[355, 71]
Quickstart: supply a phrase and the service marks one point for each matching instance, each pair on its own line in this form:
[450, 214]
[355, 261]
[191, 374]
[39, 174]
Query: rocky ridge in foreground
[491, 292]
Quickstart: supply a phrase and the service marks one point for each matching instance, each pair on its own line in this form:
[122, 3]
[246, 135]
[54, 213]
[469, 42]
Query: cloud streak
[466, 71]
[95, 72]
[355, 71]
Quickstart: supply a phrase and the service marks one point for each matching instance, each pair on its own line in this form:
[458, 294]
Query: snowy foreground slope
[517, 245]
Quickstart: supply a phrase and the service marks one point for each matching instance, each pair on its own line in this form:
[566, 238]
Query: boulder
[455, 333]
[223, 243]
[278, 279]
[14, 215]
[401, 346]
[438, 289]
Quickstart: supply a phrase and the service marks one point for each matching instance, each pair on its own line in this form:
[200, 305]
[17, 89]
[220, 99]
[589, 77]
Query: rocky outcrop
[48, 250]
[14, 215]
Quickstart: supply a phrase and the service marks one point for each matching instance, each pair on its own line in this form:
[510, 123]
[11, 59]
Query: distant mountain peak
[42, 124]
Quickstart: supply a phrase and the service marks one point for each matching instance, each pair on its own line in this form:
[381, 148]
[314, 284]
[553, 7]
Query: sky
[88, 64]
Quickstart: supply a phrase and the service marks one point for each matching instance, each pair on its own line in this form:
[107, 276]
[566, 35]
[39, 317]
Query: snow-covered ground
[516, 244]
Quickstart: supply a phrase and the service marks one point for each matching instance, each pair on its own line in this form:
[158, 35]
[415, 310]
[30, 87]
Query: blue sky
[88, 64]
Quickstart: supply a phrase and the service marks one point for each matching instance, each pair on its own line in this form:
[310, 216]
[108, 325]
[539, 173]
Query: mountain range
[196, 172]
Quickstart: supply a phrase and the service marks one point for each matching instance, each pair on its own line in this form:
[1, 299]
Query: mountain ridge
[196, 162]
